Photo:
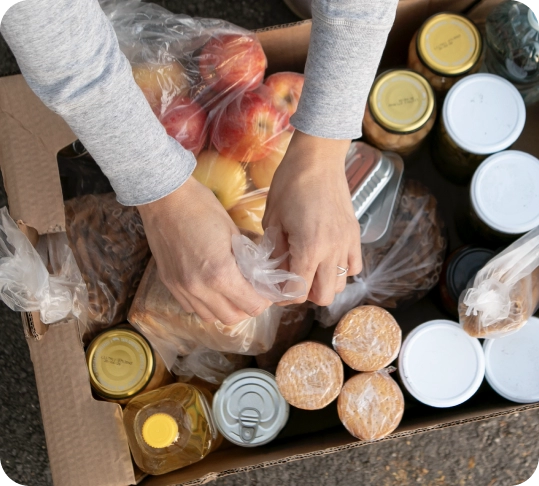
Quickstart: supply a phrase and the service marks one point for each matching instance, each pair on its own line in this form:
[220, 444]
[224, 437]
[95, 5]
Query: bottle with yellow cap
[122, 364]
[400, 112]
[446, 48]
[170, 428]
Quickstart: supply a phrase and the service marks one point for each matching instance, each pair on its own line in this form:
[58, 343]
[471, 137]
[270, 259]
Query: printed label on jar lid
[512, 364]
[440, 365]
[484, 114]
[505, 192]
[248, 409]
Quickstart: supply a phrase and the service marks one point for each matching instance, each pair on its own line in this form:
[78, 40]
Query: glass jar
[440, 365]
[170, 428]
[459, 268]
[248, 409]
[512, 38]
[504, 197]
[122, 364]
[482, 114]
[512, 366]
[400, 112]
[446, 48]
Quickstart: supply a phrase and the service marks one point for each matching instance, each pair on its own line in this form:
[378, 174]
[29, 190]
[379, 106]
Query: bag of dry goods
[44, 279]
[174, 332]
[111, 250]
[505, 292]
[204, 80]
[403, 270]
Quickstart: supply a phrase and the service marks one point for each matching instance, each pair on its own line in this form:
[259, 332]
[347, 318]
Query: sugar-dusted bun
[310, 375]
[367, 338]
[371, 405]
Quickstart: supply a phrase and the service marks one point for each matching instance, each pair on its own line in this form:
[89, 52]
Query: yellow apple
[249, 212]
[225, 177]
[262, 172]
[161, 83]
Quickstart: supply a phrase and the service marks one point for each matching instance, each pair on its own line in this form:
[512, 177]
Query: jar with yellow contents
[400, 112]
[446, 48]
[122, 364]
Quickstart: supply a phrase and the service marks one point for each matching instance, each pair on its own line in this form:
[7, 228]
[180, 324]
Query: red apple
[247, 128]
[262, 172]
[185, 120]
[286, 89]
[232, 61]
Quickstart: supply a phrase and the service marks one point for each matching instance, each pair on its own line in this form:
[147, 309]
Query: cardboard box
[86, 441]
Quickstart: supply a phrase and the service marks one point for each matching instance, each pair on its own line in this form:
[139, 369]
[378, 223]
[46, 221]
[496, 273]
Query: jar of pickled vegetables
[400, 112]
[482, 114]
[446, 48]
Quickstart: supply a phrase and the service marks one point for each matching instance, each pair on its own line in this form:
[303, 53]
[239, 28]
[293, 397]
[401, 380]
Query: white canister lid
[505, 192]
[512, 364]
[440, 365]
[484, 114]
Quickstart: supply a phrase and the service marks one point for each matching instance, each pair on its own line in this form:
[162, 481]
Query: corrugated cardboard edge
[32, 135]
[81, 432]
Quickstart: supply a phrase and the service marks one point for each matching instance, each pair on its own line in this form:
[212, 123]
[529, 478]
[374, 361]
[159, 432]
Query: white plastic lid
[532, 19]
[440, 365]
[512, 364]
[505, 192]
[484, 114]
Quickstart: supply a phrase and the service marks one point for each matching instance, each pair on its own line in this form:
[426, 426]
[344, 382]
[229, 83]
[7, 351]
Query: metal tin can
[504, 197]
[400, 112]
[122, 364]
[440, 365]
[377, 221]
[367, 172]
[248, 409]
[482, 114]
[445, 48]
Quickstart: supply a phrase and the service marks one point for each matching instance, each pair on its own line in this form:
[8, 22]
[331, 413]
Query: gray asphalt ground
[497, 452]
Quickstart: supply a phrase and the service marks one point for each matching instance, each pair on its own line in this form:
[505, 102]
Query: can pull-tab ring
[249, 419]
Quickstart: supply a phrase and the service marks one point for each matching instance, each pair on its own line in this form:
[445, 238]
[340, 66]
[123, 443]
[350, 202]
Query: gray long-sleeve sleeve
[69, 55]
[347, 41]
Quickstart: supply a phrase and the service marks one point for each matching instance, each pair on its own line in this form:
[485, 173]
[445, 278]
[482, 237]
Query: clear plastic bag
[403, 270]
[203, 79]
[44, 279]
[505, 292]
[111, 250]
[174, 332]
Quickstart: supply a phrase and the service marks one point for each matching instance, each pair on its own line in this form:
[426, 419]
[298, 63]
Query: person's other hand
[190, 235]
[309, 201]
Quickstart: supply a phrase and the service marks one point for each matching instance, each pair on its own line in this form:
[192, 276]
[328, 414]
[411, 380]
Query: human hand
[309, 202]
[190, 235]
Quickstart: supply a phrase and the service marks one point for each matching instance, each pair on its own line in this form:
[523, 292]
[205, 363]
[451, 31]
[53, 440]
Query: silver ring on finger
[342, 271]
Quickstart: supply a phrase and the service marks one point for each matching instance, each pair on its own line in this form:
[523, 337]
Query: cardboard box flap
[86, 440]
[32, 135]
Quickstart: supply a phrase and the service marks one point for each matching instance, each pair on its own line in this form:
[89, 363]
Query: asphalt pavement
[496, 452]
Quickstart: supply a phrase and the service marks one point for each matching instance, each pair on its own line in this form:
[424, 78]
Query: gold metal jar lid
[449, 44]
[401, 101]
[121, 363]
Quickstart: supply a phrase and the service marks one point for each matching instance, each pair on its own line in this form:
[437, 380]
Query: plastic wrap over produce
[403, 270]
[44, 279]
[505, 292]
[204, 79]
[371, 405]
[111, 250]
[174, 332]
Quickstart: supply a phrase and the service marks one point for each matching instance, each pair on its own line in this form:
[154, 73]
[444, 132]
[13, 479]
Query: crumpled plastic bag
[44, 279]
[174, 332]
[505, 292]
[403, 270]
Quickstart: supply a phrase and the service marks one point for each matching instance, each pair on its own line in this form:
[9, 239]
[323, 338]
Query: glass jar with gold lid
[445, 48]
[122, 364]
[400, 112]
